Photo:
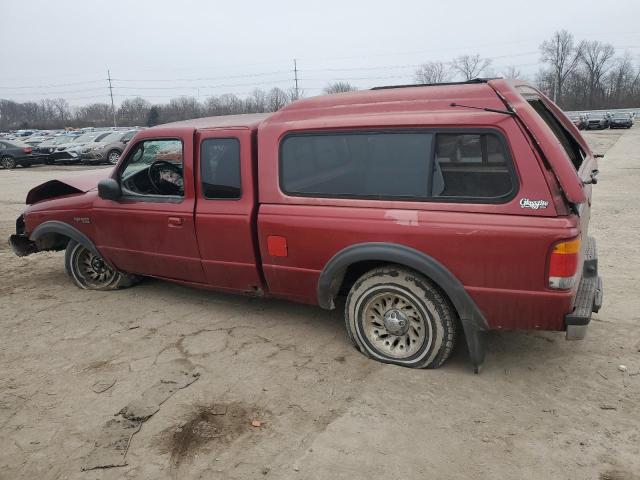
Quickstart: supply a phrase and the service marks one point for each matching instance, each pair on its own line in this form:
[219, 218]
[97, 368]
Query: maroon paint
[498, 251]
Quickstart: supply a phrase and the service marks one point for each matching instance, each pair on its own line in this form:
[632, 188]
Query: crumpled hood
[67, 186]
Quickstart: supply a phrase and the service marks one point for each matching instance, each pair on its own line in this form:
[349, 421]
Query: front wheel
[395, 315]
[113, 156]
[90, 272]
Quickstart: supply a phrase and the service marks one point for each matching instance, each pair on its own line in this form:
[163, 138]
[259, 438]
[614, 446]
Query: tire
[113, 156]
[7, 162]
[395, 315]
[90, 272]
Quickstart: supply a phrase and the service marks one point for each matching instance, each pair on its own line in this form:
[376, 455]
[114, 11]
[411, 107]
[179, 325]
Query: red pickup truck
[428, 207]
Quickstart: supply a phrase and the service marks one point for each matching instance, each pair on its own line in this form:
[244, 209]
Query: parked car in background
[108, 149]
[14, 153]
[597, 121]
[579, 121]
[48, 148]
[70, 152]
[621, 120]
[23, 133]
[36, 140]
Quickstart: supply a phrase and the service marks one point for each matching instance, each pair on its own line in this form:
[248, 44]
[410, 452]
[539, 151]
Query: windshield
[87, 137]
[112, 137]
[621, 115]
[63, 139]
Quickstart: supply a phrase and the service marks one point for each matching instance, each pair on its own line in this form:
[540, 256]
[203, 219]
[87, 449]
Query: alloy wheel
[113, 157]
[8, 163]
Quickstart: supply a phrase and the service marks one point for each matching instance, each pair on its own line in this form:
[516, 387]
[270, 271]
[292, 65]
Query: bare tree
[512, 73]
[339, 87]
[256, 102]
[93, 115]
[276, 99]
[562, 57]
[596, 58]
[433, 72]
[230, 104]
[61, 107]
[295, 94]
[153, 118]
[181, 108]
[133, 111]
[470, 66]
[620, 80]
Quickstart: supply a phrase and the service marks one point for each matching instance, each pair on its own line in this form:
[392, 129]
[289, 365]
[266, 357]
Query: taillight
[27, 149]
[563, 264]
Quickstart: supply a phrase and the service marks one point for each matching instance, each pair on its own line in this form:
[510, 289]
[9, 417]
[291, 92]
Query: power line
[193, 87]
[260, 74]
[198, 79]
[70, 84]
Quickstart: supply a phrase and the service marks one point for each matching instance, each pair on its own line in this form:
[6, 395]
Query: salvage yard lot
[542, 407]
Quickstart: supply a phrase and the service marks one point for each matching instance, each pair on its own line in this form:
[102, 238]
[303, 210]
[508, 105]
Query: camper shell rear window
[414, 165]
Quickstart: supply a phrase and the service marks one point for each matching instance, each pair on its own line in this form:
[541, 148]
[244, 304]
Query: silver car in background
[108, 149]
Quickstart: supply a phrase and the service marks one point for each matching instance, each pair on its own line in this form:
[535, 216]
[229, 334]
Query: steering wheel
[161, 185]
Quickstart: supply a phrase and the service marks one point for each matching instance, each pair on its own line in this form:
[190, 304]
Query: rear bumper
[589, 296]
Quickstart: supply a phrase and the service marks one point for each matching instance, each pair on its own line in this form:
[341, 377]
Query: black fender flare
[62, 228]
[472, 319]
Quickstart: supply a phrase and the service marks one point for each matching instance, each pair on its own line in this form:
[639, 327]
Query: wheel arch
[55, 235]
[472, 319]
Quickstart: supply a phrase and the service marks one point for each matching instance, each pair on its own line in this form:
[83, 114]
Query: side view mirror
[109, 189]
[126, 140]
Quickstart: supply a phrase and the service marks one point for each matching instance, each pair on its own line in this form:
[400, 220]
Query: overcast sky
[160, 48]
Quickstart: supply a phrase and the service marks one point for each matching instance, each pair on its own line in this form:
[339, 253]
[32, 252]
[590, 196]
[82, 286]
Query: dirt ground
[542, 408]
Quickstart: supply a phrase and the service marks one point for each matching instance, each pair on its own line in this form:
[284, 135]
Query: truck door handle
[175, 221]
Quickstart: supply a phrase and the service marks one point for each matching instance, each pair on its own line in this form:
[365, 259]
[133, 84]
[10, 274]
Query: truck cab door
[226, 209]
[150, 230]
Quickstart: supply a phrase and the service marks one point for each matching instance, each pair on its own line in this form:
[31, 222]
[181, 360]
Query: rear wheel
[395, 315]
[8, 162]
[89, 271]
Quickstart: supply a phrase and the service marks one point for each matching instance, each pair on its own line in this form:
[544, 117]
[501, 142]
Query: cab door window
[220, 168]
[154, 168]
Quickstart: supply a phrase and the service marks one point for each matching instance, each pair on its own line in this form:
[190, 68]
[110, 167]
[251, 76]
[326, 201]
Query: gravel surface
[283, 395]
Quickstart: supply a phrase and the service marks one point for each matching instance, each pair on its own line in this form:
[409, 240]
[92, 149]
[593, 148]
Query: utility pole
[295, 76]
[113, 108]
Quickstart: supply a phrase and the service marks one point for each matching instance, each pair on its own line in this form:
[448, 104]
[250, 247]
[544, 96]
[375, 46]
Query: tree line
[137, 111]
[578, 75]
